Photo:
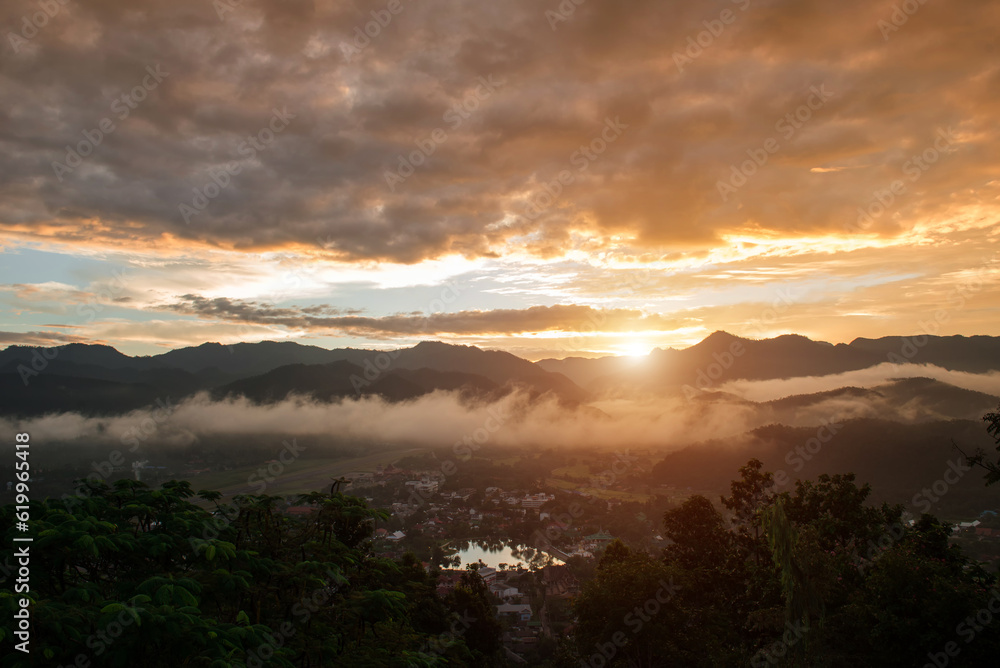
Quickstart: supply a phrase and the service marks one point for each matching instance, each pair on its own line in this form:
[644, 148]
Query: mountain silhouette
[722, 357]
[97, 379]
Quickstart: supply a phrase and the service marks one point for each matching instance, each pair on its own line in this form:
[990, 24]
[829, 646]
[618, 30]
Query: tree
[979, 458]
[749, 496]
[836, 508]
[699, 537]
[847, 584]
[129, 575]
[626, 610]
[802, 602]
[472, 600]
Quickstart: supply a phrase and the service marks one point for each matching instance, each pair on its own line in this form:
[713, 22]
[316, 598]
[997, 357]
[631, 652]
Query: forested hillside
[133, 576]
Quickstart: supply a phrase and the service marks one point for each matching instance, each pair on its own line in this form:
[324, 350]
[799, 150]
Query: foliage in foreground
[133, 576]
[810, 577]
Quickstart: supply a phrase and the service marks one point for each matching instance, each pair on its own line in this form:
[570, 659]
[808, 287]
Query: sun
[635, 348]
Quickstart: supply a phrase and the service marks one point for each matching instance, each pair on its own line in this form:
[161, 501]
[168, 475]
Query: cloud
[234, 309]
[768, 390]
[48, 291]
[432, 421]
[558, 318]
[37, 338]
[446, 419]
[320, 183]
[490, 198]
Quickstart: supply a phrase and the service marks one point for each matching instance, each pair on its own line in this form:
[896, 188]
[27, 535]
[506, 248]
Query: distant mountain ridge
[722, 357]
[99, 379]
[897, 459]
[327, 382]
[237, 360]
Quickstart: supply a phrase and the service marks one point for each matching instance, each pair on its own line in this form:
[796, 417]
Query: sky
[555, 179]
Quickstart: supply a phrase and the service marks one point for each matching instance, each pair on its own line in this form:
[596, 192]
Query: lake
[494, 555]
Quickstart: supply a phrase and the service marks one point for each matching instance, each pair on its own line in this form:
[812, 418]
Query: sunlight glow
[636, 348]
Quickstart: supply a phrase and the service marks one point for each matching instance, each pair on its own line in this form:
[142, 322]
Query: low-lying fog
[677, 418]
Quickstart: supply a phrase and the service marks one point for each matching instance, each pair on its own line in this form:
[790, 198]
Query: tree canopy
[132, 576]
[842, 583]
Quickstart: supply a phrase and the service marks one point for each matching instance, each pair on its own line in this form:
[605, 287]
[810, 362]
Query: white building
[535, 500]
[520, 611]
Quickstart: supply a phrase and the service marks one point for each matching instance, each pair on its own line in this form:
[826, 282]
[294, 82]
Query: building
[360, 479]
[447, 580]
[560, 583]
[425, 486]
[504, 591]
[518, 611]
[598, 540]
[536, 500]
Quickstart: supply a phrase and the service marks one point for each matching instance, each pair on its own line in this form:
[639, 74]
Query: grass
[575, 471]
[597, 491]
[298, 477]
[508, 461]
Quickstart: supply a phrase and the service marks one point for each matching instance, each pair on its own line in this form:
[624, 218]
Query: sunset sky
[550, 179]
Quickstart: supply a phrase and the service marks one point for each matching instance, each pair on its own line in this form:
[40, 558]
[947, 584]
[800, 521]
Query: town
[532, 540]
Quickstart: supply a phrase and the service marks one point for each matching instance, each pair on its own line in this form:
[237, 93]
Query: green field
[575, 471]
[508, 461]
[597, 491]
[299, 477]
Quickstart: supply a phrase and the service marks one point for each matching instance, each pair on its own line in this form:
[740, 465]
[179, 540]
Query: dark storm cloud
[563, 318]
[40, 338]
[692, 113]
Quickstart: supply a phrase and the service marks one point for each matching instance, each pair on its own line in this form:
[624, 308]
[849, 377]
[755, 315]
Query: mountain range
[898, 460]
[100, 380]
[723, 357]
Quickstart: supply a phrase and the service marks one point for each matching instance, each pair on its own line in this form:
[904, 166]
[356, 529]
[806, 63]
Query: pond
[498, 553]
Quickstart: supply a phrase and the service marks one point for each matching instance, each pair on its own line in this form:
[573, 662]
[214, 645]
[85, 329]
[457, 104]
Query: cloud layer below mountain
[445, 418]
[768, 390]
